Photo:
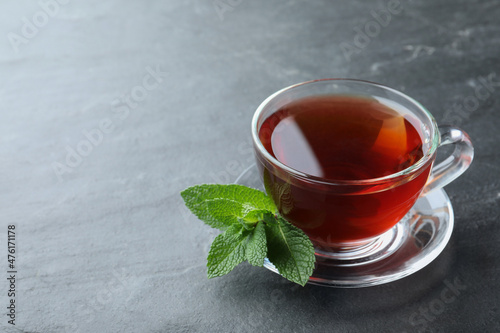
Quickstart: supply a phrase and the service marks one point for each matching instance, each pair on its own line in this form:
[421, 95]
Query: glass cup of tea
[345, 160]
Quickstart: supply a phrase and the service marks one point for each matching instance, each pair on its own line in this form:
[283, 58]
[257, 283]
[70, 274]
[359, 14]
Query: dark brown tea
[342, 138]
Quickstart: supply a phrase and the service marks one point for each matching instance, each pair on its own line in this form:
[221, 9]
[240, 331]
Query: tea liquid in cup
[345, 160]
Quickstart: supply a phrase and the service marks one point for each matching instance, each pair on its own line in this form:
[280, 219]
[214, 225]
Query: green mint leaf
[256, 249]
[247, 225]
[290, 250]
[255, 215]
[196, 198]
[222, 213]
[227, 251]
[252, 231]
[270, 218]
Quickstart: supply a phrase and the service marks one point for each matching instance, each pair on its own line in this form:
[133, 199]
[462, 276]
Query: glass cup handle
[456, 164]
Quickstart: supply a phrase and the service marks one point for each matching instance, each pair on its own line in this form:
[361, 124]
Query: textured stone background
[104, 243]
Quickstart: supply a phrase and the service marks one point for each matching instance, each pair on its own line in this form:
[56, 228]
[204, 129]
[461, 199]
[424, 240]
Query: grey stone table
[108, 109]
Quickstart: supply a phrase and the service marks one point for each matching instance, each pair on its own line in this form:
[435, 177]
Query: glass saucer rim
[419, 261]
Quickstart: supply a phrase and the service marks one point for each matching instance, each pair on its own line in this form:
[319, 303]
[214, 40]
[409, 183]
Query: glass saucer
[417, 240]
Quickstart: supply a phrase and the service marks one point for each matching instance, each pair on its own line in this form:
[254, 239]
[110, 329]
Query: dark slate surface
[105, 244]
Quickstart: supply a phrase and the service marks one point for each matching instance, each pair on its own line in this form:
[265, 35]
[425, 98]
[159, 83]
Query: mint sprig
[252, 230]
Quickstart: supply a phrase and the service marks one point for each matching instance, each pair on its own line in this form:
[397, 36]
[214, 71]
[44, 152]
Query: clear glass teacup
[346, 219]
